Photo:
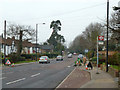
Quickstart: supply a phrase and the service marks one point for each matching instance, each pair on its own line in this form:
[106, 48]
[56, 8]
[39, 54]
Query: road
[35, 75]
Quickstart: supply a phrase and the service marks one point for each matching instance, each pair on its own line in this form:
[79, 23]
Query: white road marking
[35, 75]
[2, 78]
[68, 66]
[15, 81]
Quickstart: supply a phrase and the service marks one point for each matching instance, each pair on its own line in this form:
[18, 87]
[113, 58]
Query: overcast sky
[75, 15]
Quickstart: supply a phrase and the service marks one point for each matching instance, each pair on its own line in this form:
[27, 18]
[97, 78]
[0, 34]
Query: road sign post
[99, 39]
[97, 57]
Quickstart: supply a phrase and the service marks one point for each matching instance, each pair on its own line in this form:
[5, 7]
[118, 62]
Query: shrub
[114, 59]
[101, 60]
[14, 58]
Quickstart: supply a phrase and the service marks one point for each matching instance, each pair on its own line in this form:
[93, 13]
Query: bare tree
[87, 40]
[21, 33]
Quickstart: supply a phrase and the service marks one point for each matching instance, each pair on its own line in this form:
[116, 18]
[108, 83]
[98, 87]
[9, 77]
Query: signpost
[8, 62]
[99, 39]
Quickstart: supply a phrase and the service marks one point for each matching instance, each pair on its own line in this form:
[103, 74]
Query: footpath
[81, 78]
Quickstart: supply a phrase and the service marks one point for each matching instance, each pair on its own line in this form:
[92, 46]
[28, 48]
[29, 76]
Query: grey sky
[75, 15]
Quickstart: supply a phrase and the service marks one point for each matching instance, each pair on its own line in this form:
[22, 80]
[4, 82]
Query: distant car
[70, 55]
[80, 56]
[44, 59]
[59, 58]
[75, 53]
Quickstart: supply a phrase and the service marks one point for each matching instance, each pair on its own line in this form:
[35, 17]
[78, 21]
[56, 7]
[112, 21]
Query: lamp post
[107, 35]
[37, 37]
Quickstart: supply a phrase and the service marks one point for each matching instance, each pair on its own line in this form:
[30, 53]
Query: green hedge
[101, 60]
[33, 56]
[14, 58]
[114, 59]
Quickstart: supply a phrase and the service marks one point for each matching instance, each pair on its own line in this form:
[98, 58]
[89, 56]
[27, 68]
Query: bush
[50, 55]
[100, 59]
[114, 59]
[29, 56]
[33, 56]
[14, 58]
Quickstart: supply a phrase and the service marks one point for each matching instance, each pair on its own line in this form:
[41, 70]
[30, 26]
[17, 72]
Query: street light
[107, 35]
[37, 37]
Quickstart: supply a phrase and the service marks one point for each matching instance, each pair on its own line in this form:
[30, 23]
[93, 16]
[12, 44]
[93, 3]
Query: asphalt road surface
[35, 75]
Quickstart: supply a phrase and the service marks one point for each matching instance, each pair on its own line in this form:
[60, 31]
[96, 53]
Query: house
[46, 48]
[28, 47]
[12, 43]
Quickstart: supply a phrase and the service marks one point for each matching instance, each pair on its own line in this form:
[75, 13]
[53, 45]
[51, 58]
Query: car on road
[59, 58]
[70, 55]
[44, 59]
[80, 56]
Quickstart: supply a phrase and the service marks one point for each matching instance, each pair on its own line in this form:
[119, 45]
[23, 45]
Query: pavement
[92, 80]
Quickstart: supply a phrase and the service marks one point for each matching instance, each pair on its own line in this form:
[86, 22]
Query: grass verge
[115, 67]
[25, 61]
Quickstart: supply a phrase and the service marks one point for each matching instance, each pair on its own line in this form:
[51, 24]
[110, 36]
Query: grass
[115, 67]
[25, 61]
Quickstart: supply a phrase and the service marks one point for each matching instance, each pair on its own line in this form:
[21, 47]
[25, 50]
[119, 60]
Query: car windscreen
[44, 57]
[59, 56]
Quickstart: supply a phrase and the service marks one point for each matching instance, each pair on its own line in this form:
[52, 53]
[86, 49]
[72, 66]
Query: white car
[59, 58]
[70, 55]
[44, 59]
[80, 56]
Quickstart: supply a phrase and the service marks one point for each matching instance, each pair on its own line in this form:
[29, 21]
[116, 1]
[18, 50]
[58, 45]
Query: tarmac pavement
[101, 80]
[81, 78]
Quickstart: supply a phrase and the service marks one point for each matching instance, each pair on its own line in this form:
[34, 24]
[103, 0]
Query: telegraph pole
[4, 39]
[107, 35]
[36, 40]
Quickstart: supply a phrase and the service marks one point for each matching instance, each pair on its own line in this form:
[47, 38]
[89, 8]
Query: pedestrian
[90, 65]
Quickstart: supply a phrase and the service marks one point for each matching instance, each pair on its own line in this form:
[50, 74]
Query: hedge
[33, 56]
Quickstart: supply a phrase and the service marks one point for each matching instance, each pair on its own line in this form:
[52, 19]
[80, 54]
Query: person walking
[90, 65]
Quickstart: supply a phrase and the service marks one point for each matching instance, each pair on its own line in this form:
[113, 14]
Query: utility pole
[36, 40]
[4, 39]
[107, 35]
[37, 37]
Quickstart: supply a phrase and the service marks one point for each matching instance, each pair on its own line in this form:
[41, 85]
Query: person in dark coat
[90, 65]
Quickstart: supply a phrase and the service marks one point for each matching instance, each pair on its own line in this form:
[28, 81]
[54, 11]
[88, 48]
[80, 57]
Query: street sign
[8, 62]
[100, 42]
[86, 50]
[101, 38]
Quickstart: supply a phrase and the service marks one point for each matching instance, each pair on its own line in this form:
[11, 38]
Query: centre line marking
[35, 75]
[15, 81]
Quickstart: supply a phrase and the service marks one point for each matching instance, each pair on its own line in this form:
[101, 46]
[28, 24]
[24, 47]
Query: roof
[9, 41]
[47, 47]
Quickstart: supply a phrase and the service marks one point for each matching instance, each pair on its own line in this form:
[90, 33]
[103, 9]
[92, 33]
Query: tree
[56, 39]
[88, 38]
[21, 33]
[114, 26]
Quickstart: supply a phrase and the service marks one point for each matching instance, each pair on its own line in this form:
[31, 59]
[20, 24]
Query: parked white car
[59, 58]
[70, 55]
[44, 59]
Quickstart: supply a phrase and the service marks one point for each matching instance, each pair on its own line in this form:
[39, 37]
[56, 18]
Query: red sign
[100, 38]
[8, 62]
